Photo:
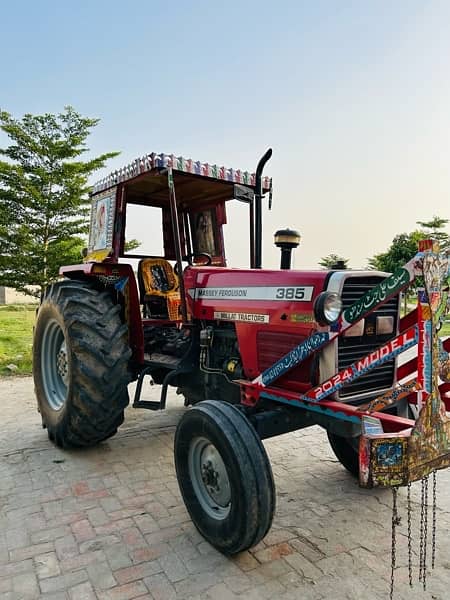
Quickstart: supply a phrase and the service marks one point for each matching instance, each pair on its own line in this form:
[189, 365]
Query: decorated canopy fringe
[177, 163]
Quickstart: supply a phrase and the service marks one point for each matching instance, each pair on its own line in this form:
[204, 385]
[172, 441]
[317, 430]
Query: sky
[353, 97]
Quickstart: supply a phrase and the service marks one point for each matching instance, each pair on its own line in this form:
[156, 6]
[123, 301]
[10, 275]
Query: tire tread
[100, 356]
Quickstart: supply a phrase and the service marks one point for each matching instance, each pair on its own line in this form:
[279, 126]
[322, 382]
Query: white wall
[10, 296]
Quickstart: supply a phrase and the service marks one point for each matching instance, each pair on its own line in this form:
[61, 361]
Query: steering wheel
[190, 257]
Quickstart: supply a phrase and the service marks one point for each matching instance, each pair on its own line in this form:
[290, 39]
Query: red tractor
[257, 352]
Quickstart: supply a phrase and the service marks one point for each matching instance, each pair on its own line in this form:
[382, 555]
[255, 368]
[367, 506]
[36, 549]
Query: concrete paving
[109, 522]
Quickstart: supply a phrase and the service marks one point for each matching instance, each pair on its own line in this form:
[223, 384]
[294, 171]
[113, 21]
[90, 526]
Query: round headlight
[327, 308]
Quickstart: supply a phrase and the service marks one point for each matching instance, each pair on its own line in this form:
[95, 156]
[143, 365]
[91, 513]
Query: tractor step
[161, 361]
[174, 366]
[153, 362]
[150, 405]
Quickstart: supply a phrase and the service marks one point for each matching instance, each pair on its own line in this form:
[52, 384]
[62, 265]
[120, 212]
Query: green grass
[16, 333]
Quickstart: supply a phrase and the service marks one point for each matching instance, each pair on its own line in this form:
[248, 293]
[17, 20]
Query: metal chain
[409, 535]
[425, 534]
[422, 519]
[395, 522]
[433, 534]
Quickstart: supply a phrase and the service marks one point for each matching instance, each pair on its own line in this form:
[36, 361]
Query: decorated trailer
[254, 352]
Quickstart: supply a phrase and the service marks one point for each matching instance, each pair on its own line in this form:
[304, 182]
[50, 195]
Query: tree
[433, 229]
[44, 201]
[403, 247]
[333, 261]
[131, 245]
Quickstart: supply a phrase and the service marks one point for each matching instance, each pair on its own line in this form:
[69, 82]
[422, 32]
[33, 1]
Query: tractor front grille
[351, 349]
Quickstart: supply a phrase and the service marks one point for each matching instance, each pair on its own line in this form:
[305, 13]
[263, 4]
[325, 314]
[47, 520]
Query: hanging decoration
[400, 458]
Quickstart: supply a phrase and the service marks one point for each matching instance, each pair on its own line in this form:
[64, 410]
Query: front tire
[224, 476]
[80, 364]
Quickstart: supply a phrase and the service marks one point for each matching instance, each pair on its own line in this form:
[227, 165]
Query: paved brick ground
[109, 523]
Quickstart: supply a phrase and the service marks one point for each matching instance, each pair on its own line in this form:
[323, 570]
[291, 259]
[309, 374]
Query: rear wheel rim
[209, 478]
[54, 365]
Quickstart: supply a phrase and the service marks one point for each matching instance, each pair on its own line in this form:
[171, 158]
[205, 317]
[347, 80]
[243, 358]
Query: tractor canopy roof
[196, 183]
[191, 196]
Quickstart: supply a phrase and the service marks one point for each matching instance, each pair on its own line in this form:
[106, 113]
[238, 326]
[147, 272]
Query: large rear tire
[80, 364]
[224, 475]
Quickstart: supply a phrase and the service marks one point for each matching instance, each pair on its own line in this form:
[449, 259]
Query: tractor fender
[120, 276]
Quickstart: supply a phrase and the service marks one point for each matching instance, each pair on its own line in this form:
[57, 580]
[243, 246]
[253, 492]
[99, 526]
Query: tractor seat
[158, 285]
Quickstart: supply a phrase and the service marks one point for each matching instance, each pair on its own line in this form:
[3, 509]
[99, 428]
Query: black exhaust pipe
[258, 210]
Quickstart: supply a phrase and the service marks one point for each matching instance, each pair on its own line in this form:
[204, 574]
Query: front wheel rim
[54, 365]
[209, 478]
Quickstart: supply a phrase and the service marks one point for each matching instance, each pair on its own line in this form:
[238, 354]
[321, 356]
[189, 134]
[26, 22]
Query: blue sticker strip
[318, 408]
[364, 365]
[293, 357]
